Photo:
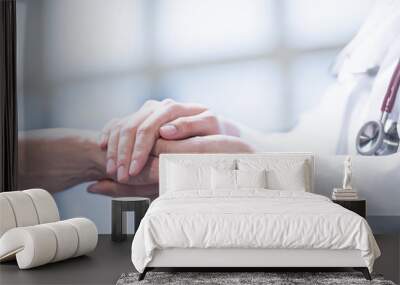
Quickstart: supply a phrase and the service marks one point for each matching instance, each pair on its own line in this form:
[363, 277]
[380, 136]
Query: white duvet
[250, 219]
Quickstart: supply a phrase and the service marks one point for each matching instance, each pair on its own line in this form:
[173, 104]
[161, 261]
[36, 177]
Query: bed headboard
[209, 158]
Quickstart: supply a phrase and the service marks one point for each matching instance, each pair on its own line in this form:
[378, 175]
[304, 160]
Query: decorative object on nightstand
[346, 192]
[120, 206]
[358, 206]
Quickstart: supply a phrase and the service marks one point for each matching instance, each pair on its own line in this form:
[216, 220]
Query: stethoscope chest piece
[370, 138]
[373, 138]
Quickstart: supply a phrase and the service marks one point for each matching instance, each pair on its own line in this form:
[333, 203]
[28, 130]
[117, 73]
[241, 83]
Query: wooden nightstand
[120, 206]
[358, 206]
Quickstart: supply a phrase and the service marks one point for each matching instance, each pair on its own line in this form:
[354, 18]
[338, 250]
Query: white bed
[248, 227]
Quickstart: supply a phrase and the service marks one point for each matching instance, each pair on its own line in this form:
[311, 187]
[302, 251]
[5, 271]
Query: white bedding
[251, 218]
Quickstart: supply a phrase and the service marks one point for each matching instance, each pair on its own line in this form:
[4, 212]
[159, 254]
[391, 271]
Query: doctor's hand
[203, 144]
[129, 140]
[198, 144]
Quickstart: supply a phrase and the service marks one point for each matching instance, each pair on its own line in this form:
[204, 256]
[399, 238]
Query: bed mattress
[250, 219]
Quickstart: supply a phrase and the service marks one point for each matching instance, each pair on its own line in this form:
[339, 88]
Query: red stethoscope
[375, 137]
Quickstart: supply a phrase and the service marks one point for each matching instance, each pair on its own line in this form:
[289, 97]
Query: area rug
[268, 278]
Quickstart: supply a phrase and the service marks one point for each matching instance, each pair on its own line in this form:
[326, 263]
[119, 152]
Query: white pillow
[282, 174]
[223, 179]
[188, 174]
[251, 178]
[236, 179]
[181, 177]
[290, 179]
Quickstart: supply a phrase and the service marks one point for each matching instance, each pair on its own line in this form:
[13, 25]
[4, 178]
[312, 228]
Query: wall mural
[101, 97]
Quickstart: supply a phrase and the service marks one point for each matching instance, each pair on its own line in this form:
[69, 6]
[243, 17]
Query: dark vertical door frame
[8, 97]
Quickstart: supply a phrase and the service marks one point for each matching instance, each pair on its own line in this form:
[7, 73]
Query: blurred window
[261, 62]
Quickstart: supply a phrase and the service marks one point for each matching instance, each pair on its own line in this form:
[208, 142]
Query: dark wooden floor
[102, 266]
[389, 262]
[110, 260]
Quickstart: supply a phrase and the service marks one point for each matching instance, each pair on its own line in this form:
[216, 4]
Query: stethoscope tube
[391, 92]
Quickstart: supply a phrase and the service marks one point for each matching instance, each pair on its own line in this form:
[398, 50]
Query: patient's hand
[115, 189]
[57, 159]
[129, 140]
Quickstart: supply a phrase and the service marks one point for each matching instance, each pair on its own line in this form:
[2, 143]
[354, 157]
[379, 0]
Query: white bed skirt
[235, 257]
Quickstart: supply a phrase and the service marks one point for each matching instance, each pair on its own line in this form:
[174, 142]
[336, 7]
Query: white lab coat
[356, 96]
[330, 129]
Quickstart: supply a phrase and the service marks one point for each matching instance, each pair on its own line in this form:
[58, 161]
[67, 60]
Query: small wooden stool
[120, 206]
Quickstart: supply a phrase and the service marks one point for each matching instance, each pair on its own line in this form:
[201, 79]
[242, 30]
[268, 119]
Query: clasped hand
[133, 143]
